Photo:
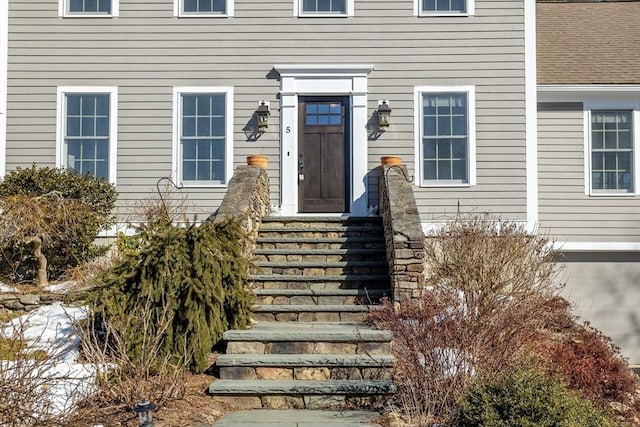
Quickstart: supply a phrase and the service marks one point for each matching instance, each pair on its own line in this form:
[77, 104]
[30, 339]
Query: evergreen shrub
[195, 275]
[93, 200]
[523, 396]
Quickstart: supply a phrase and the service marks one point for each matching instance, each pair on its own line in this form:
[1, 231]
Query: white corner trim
[531, 114]
[63, 11]
[418, 92]
[176, 173]
[596, 246]
[4, 52]
[298, 11]
[177, 11]
[112, 91]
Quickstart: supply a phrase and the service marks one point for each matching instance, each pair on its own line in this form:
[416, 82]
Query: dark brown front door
[322, 179]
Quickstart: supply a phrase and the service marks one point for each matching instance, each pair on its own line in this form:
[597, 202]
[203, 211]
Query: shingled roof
[588, 42]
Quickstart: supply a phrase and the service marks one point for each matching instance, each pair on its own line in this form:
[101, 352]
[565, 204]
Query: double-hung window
[87, 130]
[203, 8]
[203, 142]
[325, 8]
[612, 151]
[88, 8]
[445, 125]
[444, 7]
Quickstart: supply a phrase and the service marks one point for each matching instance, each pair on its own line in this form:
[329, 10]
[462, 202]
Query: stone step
[312, 255]
[320, 296]
[323, 264]
[305, 360]
[309, 331]
[317, 269]
[323, 219]
[328, 278]
[312, 312]
[293, 388]
[320, 228]
[316, 240]
[305, 367]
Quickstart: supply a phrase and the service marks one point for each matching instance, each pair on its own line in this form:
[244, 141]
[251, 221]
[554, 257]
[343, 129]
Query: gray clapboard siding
[565, 211]
[146, 51]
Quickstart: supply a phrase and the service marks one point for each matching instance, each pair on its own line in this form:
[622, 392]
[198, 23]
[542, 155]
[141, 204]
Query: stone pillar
[247, 200]
[404, 238]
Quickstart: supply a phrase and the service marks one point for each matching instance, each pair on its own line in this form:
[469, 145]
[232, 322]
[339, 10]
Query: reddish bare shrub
[490, 282]
[589, 361]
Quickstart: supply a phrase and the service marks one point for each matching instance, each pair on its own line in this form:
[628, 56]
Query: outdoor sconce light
[262, 114]
[384, 115]
[144, 411]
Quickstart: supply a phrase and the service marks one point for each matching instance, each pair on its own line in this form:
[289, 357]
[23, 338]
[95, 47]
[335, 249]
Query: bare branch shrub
[34, 391]
[487, 285]
[124, 379]
[166, 206]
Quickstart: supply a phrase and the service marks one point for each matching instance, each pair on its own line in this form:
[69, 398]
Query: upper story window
[203, 142]
[328, 8]
[612, 151]
[446, 145]
[88, 8]
[443, 7]
[87, 131]
[199, 8]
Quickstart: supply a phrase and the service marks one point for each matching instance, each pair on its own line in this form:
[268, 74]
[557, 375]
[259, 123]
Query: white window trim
[417, 10]
[178, 11]
[176, 172]
[112, 91]
[419, 91]
[63, 11]
[298, 11]
[611, 104]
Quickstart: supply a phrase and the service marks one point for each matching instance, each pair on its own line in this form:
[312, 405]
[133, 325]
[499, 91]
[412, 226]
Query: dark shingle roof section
[588, 42]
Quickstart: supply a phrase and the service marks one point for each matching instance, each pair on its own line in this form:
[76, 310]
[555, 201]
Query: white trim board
[596, 246]
[341, 80]
[531, 114]
[4, 49]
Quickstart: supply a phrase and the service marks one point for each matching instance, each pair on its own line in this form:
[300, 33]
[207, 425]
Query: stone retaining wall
[404, 238]
[247, 200]
[23, 303]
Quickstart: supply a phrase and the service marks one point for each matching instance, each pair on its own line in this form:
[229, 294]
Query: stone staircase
[316, 280]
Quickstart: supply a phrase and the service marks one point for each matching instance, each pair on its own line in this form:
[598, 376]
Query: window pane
[73, 105]
[430, 170]
[203, 150]
[597, 180]
[102, 105]
[190, 5]
[312, 120]
[459, 149]
[188, 126]
[442, 5]
[444, 169]
[102, 126]
[444, 125]
[218, 102]
[203, 171]
[459, 5]
[105, 6]
[220, 6]
[460, 170]
[597, 139]
[610, 161]
[430, 126]
[90, 5]
[339, 6]
[204, 126]
[323, 120]
[597, 161]
[429, 149]
[309, 5]
[324, 5]
[76, 6]
[218, 126]
[87, 126]
[204, 104]
[204, 5]
[189, 150]
[189, 170]
[429, 5]
[73, 126]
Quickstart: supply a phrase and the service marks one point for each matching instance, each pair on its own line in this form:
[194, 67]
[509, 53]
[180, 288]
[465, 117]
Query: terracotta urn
[257, 160]
[390, 160]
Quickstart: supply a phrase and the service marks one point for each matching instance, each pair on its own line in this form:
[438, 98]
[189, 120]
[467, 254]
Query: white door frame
[339, 80]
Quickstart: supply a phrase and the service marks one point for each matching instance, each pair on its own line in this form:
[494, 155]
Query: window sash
[203, 138]
[85, 7]
[612, 165]
[338, 7]
[204, 7]
[87, 125]
[443, 6]
[445, 137]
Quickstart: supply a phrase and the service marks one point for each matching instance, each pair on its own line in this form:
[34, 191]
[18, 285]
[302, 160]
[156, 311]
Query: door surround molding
[341, 80]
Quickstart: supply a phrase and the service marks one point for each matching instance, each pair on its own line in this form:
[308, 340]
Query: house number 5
[288, 129]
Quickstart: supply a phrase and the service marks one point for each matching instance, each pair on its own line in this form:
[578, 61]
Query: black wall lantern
[144, 411]
[384, 115]
[262, 114]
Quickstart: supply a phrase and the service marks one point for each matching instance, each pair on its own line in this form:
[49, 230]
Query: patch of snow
[61, 288]
[52, 329]
[7, 288]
